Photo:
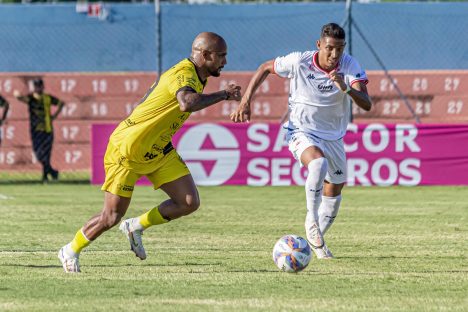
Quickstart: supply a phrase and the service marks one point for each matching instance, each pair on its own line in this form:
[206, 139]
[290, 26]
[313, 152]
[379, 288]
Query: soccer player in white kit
[320, 83]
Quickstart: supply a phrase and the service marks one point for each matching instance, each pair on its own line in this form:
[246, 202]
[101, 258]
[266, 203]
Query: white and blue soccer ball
[292, 253]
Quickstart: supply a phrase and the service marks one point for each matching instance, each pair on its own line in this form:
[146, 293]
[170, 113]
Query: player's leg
[309, 151]
[317, 165]
[118, 188]
[174, 178]
[335, 180]
[334, 183]
[114, 209]
[330, 205]
[183, 200]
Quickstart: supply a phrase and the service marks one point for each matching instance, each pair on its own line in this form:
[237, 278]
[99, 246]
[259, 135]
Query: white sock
[313, 187]
[328, 210]
[135, 224]
[69, 251]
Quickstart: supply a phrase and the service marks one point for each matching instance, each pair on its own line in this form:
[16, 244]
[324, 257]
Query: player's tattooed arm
[191, 101]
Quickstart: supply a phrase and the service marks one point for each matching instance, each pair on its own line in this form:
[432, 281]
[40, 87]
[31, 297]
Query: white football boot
[316, 241]
[323, 253]
[134, 237]
[70, 264]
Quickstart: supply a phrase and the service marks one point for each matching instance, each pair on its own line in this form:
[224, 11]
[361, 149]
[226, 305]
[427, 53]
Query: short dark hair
[38, 82]
[332, 30]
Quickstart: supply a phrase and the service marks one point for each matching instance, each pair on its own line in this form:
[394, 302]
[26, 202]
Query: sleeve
[286, 66]
[54, 100]
[355, 73]
[182, 79]
[2, 101]
[25, 98]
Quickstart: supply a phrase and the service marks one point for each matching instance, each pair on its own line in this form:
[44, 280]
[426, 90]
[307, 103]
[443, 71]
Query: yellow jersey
[144, 135]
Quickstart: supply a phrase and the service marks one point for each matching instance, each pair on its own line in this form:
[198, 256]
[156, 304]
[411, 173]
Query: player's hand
[233, 92]
[338, 79]
[242, 113]
[16, 93]
[36, 95]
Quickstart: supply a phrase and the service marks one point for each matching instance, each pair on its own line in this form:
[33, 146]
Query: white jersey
[316, 105]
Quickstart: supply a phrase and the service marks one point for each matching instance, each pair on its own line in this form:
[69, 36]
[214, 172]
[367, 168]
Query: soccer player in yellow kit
[141, 146]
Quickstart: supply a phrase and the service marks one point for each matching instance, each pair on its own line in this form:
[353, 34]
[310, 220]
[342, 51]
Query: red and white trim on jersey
[365, 81]
[316, 64]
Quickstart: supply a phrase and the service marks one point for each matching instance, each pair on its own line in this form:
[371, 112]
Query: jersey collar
[203, 82]
[316, 64]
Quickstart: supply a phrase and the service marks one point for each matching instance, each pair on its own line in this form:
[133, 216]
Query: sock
[78, 243]
[69, 251]
[328, 210]
[152, 217]
[313, 187]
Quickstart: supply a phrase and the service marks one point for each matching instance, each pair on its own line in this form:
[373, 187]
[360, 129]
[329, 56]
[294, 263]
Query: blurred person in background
[40, 123]
[141, 145]
[6, 106]
[320, 83]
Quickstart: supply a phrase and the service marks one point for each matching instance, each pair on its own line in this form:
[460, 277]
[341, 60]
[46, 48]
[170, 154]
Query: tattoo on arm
[191, 101]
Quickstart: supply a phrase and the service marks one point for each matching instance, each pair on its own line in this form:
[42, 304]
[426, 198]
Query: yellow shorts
[122, 174]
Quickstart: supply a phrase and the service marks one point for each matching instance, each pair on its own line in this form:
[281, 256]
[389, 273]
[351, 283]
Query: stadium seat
[273, 85]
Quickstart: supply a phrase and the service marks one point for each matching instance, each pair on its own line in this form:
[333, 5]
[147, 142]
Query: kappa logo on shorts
[338, 172]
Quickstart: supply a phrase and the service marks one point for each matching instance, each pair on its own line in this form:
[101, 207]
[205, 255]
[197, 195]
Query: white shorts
[333, 150]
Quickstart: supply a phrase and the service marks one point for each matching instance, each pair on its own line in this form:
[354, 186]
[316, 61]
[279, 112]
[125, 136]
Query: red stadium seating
[435, 97]
[64, 157]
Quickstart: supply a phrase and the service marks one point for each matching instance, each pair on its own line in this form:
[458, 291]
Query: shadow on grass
[47, 266]
[32, 266]
[309, 271]
[395, 257]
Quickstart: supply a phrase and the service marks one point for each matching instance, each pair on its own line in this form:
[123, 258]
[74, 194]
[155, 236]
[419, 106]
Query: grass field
[397, 249]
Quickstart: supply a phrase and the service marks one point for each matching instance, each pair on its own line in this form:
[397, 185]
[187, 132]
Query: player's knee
[192, 203]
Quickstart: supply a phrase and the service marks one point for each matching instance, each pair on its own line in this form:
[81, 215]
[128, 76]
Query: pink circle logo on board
[211, 152]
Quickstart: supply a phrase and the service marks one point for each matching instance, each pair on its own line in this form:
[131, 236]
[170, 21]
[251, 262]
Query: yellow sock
[79, 242]
[152, 217]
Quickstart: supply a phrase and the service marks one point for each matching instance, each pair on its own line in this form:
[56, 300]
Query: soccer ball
[291, 253]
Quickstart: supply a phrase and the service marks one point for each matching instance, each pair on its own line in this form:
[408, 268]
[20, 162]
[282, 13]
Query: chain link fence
[99, 59]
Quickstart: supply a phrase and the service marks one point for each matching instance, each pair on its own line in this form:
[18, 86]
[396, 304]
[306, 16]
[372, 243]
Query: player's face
[216, 59]
[330, 51]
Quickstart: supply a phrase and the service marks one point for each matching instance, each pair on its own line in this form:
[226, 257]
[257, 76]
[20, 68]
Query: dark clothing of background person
[40, 124]
[6, 106]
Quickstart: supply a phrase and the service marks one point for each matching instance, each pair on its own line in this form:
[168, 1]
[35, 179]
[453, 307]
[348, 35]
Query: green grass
[398, 249]
[35, 176]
